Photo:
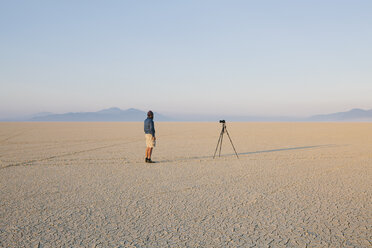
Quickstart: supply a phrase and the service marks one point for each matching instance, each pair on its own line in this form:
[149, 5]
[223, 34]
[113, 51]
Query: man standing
[150, 136]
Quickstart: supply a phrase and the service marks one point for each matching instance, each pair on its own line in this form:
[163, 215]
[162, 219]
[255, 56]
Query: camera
[222, 121]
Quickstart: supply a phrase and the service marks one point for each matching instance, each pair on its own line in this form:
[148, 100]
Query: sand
[86, 185]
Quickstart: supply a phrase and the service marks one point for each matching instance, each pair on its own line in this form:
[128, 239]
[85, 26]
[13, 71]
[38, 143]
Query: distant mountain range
[117, 114]
[352, 115]
[111, 114]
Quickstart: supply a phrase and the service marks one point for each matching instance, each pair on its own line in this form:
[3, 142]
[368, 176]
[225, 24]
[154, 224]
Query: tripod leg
[232, 144]
[218, 142]
[219, 155]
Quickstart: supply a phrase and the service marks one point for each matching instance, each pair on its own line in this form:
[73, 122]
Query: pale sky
[267, 58]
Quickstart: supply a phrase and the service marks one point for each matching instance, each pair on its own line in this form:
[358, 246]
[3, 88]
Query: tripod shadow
[284, 149]
[249, 153]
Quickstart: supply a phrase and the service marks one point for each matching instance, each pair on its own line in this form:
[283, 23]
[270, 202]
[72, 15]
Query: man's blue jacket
[149, 127]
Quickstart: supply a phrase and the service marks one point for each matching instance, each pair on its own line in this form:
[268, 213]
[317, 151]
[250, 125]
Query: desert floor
[86, 185]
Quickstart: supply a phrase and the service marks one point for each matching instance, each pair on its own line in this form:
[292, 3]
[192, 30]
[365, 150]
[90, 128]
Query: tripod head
[223, 122]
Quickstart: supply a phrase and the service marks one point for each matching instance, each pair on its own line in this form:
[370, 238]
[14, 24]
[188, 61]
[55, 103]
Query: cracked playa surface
[86, 185]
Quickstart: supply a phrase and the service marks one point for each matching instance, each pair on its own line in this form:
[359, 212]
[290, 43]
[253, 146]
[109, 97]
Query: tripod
[219, 143]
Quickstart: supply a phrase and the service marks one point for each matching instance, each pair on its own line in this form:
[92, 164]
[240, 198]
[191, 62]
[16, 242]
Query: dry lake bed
[86, 185]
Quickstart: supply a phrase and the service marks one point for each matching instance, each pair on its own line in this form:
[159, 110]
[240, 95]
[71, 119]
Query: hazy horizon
[243, 58]
[176, 114]
[135, 114]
